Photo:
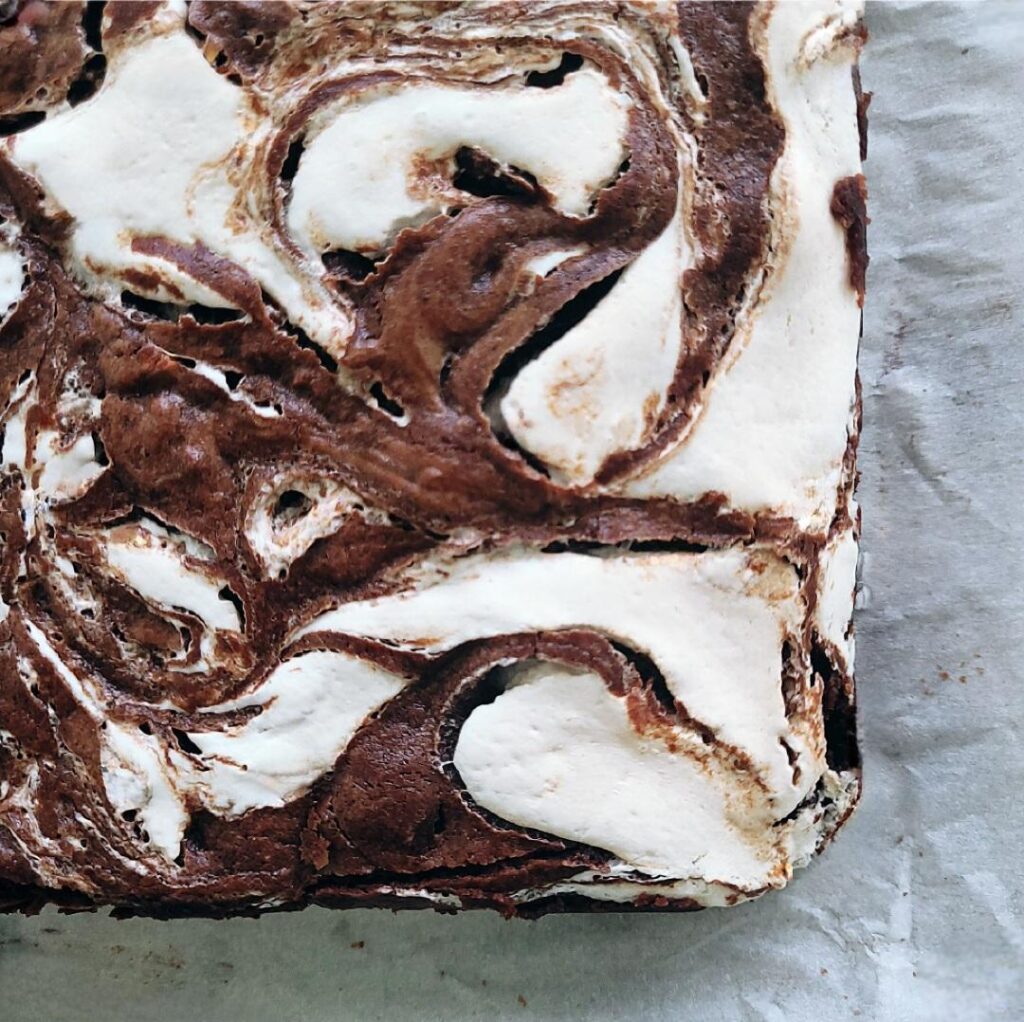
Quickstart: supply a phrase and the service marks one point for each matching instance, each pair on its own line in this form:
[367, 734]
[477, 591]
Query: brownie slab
[429, 440]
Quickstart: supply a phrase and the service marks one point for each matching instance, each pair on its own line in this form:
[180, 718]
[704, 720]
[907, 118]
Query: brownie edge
[428, 453]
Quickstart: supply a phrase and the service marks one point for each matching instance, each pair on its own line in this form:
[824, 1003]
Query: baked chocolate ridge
[850, 208]
[43, 48]
[863, 106]
[181, 452]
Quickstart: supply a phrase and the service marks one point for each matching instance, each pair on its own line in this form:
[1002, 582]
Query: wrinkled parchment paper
[917, 912]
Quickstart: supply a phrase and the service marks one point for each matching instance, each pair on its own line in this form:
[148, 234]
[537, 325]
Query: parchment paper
[917, 912]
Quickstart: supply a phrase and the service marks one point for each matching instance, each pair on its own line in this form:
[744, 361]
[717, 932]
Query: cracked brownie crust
[429, 440]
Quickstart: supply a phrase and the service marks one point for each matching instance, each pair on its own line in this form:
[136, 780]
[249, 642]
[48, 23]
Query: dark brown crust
[391, 815]
[43, 51]
[849, 207]
[123, 16]
[244, 31]
[863, 103]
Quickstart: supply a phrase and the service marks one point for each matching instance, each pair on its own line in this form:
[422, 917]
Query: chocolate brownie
[429, 439]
